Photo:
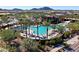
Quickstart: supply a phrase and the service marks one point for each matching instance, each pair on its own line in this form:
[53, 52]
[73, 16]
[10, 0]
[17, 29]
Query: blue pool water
[42, 30]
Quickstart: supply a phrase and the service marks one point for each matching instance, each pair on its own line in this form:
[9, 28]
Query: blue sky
[53, 7]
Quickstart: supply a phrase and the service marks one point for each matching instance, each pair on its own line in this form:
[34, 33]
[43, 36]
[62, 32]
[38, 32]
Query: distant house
[51, 19]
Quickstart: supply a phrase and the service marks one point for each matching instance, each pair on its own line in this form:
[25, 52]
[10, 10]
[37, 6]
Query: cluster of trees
[29, 45]
[8, 35]
[55, 41]
[26, 44]
[74, 27]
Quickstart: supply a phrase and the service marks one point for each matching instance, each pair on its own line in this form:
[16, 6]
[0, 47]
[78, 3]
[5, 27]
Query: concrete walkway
[73, 40]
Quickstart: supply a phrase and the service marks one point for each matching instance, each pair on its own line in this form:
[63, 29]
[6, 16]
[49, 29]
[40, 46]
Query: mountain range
[43, 8]
[17, 9]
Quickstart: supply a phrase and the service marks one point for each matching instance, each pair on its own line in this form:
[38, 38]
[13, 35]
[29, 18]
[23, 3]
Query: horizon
[30, 7]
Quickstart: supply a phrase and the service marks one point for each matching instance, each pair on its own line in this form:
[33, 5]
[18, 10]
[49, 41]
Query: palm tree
[29, 28]
[20, 22]
[60, 28]
[29, 23]
[37, 26]
[47, 24]
[26, 24]
[36, 23]
[37, 30]
[47, 31]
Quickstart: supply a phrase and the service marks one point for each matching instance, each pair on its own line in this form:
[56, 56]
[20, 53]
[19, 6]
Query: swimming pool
[42, 30]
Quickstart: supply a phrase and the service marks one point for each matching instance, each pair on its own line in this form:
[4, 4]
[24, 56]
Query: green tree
[60, 28]
[74, 27]
[29, 45]
[8, 35]
[66, 34]
[57, 40]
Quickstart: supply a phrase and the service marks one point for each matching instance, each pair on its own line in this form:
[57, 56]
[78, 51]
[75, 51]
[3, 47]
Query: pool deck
[51, 34]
